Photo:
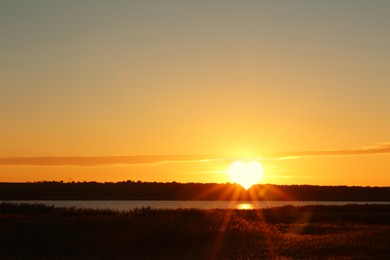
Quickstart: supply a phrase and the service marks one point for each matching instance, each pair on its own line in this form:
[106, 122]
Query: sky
[177, 90]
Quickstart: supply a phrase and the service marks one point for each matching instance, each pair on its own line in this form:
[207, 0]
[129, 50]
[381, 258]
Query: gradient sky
[194, 85]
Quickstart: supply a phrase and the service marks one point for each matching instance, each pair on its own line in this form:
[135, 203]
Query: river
[121, 205]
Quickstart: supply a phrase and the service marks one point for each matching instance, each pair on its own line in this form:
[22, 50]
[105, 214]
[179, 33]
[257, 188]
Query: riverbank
[42, 232]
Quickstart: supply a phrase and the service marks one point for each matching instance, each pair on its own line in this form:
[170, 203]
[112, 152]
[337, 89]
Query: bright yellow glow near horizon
[246, 174]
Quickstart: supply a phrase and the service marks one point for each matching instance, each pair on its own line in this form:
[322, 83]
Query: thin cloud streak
[101, 160]
[377, 149]
[163, 159]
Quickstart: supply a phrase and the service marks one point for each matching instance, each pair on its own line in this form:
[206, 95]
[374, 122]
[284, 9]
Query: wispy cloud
[377, 149]
[288, 176]
[102, 160]
[161, 159]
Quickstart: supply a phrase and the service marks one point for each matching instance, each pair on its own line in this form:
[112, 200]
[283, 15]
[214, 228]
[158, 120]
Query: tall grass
[42, 232]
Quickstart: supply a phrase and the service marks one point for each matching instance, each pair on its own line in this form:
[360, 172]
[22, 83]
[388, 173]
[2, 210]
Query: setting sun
[246, 174]
[195, 129]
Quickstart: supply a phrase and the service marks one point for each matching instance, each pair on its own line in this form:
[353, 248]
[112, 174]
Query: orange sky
[191, 87]
[328, 167]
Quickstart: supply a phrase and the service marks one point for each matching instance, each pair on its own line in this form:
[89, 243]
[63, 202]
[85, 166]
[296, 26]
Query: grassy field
[336, 232]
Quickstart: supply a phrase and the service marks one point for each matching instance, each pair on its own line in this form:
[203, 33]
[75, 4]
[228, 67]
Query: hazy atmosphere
[178, 90]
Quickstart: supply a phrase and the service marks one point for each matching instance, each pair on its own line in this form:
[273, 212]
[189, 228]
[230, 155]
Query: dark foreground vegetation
[338, 232]
[130, 190]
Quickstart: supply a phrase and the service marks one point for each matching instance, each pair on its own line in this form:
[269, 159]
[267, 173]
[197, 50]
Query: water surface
[177, 204]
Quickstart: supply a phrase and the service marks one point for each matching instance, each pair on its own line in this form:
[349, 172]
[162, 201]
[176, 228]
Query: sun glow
[246, 174]
[245, 206]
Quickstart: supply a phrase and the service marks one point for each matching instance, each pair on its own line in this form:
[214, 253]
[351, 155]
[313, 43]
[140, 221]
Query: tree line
[131, 190]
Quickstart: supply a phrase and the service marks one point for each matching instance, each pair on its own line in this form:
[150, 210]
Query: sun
[246, 174]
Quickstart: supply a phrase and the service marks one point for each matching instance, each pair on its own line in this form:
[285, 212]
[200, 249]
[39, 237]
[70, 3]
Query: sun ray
[275, 190]
[265, 226]
[227, 218]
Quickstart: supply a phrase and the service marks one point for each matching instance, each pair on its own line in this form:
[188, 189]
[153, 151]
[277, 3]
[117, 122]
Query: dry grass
[41, 232]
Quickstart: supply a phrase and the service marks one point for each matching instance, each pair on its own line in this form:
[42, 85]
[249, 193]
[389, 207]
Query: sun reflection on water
[244, 206]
